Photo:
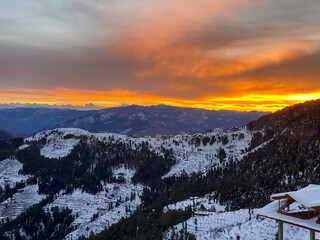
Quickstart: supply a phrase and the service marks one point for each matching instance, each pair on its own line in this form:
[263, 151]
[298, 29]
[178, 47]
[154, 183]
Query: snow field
[58, 149]
[229, 225]
[9, 173]
[192, 159]
[212, 222]
[97, 212]
[198, 204]
[24, 198]
[19, 202]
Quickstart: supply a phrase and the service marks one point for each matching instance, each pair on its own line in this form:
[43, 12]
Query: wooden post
[280, 230]
[312, 235]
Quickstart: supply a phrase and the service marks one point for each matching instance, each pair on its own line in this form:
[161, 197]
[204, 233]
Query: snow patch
[24, 146]
[9, 173]
[229, 225]
[198, 204]
[121, 171]
[59, 142]
[193, 159]
[55, 148]
[97, 212]
[19, 202]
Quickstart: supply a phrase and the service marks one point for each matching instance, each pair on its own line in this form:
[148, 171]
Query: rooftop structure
[300, 208]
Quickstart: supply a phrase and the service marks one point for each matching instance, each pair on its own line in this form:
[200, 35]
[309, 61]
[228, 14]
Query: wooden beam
[280, 230]
[312, 235]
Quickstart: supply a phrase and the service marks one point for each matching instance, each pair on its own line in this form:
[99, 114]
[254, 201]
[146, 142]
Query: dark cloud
[304, 67]
[42, 68]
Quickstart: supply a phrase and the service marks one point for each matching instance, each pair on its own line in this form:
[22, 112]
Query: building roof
[308, 196]
[270, 211]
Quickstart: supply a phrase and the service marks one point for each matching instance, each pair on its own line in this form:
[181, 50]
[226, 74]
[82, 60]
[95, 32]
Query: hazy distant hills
[135, 120]
[31, 120]
[86, 107]
[163, 119]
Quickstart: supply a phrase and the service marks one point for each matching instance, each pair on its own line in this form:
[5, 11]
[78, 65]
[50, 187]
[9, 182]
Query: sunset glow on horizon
[233, 55]
[78, 97]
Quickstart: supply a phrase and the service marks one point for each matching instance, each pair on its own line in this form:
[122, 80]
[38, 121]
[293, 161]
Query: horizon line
[92, 106]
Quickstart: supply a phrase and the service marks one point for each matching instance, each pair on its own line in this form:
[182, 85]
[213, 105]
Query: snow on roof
[308, 196]
[270, 211]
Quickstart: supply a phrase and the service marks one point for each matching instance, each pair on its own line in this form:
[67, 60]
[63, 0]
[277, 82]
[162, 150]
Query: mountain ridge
[160, 119]
[134, 119]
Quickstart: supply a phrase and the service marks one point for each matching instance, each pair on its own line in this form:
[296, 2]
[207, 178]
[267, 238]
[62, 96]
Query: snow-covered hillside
[58, 143]
[192, 152]
[192, 158]
[19, 202]
[23, 198]
[229, 225]
[223, 225]
[93, 213]
[9, 173]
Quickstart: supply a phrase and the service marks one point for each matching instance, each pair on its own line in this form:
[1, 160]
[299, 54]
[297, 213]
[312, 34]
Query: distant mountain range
[31, 120]
[134, 120]
[89, 106]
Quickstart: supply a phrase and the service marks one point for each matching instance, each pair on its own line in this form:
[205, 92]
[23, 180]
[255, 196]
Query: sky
[233, 54]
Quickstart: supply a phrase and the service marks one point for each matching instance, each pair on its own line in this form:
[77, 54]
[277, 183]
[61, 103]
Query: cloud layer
[182, 52]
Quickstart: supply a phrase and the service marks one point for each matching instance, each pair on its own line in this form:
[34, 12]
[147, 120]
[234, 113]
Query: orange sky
[119, 97]
[234, 54]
